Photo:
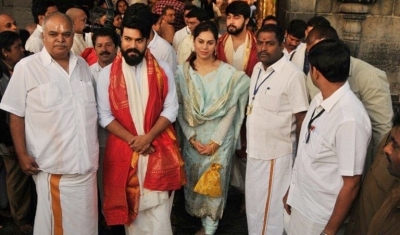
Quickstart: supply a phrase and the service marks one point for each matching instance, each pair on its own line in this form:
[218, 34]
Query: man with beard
[277, 106]
[137, 103]
[237, 47]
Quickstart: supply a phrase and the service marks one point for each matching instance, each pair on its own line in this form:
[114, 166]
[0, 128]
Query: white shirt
[185, 49]
[238, 56]
[337, 147]
[297, 56]
[179, 36]
[35, 41]
[101, 132]
[162, 50]
[81, 42]
[95, 71]
[59, 110]
[170, 110]
[271, 125]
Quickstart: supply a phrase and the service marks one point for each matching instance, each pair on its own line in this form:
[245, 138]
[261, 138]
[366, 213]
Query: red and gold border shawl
[252, 59]
[165, 166]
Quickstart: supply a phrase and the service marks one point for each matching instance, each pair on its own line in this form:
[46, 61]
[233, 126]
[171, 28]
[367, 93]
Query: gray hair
[57, 14]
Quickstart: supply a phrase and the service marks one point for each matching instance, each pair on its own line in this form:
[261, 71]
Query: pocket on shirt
[50, 94]
[317, 147]
[271, 102]
[87, 91]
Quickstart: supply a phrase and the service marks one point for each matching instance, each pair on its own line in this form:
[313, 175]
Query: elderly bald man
[81, 40]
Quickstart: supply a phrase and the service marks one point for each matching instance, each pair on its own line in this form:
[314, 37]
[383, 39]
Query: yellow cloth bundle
[209, 183]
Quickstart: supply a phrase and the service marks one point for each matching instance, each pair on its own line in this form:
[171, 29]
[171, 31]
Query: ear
[315, 72]
[246, 21]
[41, 18]
[4, 52]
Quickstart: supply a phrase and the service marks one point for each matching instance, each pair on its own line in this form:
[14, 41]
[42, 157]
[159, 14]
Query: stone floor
[233, 221]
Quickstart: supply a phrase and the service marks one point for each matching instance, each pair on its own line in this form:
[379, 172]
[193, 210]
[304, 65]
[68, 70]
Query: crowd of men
[93, 112]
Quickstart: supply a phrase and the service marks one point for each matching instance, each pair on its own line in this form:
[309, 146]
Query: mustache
[60, 45]
[105, 53]
[132, 50]
[263, 53]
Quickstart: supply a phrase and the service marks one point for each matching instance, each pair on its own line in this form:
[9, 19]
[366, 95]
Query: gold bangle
[211, 143]
[190, 141]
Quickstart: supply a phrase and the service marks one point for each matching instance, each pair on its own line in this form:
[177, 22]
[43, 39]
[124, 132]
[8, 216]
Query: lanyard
[310, 126]
[256, 88]
[255, 91]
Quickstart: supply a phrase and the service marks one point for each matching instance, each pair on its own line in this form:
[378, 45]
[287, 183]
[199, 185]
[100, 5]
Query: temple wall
[370, 29]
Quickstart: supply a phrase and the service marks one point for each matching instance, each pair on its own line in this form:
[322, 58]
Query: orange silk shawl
[165, 166]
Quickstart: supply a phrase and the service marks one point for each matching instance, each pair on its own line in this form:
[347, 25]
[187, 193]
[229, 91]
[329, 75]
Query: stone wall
[19, 9]
[371, 30]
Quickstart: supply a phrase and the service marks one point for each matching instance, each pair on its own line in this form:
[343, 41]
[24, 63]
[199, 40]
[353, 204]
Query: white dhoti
[266, 183]
[154, 208]
[67, 204]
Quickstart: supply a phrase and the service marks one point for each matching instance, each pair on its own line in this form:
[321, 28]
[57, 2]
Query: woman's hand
[198, 146]
[210, 149]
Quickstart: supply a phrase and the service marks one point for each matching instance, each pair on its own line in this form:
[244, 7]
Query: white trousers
[266, 183]
[67, 204]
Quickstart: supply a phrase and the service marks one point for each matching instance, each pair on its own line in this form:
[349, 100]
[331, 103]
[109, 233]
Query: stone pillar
[354, 14]
[264, 8]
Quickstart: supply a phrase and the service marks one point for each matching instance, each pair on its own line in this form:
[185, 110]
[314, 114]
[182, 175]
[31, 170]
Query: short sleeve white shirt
[271, 125]
[59, 109]
[337, 147]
